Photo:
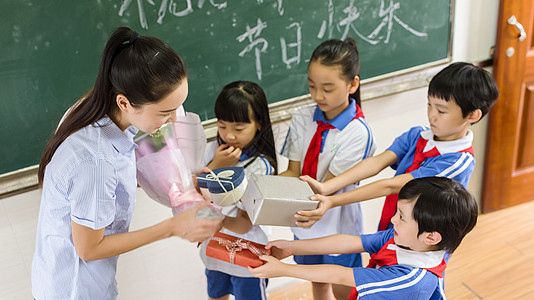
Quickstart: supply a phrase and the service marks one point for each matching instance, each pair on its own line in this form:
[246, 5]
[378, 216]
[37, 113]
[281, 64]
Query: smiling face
[149, 117]
[329, 89]
[406, 227]
[238, 134]
[446, 120]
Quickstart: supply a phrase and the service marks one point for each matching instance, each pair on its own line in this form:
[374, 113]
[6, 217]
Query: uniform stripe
[267, 166]
[386, 282]
[458, 167]
[285, 141]
[369, 138]
[440, 286]
[397, 287]
[263, 288]
[470, 158]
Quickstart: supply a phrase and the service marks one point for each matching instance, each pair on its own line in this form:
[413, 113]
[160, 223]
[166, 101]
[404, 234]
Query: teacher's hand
[188, 226]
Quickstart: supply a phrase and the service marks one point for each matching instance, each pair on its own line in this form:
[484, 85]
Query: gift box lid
[222, 180]
[203, 184]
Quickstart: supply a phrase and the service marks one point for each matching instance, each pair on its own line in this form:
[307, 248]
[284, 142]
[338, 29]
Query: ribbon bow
[238, 245]
[224, 176]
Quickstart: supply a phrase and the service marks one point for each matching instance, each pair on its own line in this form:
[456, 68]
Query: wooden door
[509, 165]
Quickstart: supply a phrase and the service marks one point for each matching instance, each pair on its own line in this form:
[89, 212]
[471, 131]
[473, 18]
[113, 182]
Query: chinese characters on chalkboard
[254, 44]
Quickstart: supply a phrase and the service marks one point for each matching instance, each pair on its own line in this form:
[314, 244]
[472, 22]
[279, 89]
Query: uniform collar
[447, 146]
[417, 259]
[341, 120]
[122, 141]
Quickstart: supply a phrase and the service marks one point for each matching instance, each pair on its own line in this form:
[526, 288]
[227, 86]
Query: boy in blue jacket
[407, 262]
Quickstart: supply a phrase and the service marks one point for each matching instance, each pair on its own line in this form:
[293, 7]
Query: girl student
[327, 139]
[88, 174]
[244, 139]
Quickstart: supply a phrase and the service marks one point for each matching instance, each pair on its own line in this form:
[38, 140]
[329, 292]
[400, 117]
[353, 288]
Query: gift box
[223, 186]
[274, 200]
[235, 250]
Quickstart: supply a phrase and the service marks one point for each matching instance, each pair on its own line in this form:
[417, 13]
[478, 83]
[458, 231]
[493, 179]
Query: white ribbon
[220, 178]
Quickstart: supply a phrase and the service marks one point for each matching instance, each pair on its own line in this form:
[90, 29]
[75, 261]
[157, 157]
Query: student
[244, 139]
[88, 175]
[407, 262]
[458, 96]
[326, 140]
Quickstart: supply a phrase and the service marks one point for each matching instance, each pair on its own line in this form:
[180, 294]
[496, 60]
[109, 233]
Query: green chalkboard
[50, 50]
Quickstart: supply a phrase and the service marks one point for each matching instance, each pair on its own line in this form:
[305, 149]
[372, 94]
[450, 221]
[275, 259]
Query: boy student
[458, 96]
[407, 262]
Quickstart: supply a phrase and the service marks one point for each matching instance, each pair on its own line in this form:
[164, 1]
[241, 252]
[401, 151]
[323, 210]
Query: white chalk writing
[252, 34]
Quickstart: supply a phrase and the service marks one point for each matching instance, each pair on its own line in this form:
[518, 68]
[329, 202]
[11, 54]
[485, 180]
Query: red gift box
[235, 250]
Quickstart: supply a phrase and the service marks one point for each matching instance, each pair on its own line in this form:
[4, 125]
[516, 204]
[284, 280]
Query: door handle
[522, 34]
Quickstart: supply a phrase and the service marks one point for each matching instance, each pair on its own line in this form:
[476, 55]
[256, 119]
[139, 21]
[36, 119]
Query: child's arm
[332, 244]
[240, 224]
[315, 273]
[384, 187]
[362, 170]
[293, 169]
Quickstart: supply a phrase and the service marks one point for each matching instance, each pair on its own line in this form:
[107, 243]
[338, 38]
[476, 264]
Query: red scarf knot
[311, 159]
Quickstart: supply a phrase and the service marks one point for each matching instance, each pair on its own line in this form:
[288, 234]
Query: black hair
[238, 102]
[142, 68]
[335, 52]
[442, 205]
[471, 87]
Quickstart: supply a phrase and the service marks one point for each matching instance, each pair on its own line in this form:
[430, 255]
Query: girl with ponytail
[88, 176]
[324, 141]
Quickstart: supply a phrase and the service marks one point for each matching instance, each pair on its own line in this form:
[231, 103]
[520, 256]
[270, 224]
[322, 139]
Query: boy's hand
[225, 156]
[280, 249]
[272, 268]
[309, 217]
[316, 186]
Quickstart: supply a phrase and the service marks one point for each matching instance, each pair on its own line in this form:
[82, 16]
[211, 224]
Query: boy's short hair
[471, 87]
[442, 205]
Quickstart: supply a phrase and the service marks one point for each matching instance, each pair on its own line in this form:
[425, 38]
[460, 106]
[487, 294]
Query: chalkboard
[50, 50]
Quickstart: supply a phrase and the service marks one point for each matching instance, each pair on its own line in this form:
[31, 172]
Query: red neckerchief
[388, 257]
[390, 205]
[311, 159]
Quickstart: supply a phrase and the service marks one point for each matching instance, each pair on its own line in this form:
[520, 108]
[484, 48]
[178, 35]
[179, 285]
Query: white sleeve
[209, 152]
[295, 147]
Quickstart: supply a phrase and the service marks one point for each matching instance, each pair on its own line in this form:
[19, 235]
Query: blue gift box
[226, 185]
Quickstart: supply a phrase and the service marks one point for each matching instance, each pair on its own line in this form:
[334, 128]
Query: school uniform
[397, 273]
[91, 180]
[226, 278]
[451, 159]
[343, 146]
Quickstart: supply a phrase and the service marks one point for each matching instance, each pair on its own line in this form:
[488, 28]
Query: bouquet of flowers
[165, 161]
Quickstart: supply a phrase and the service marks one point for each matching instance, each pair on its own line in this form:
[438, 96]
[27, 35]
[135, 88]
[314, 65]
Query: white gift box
[274, 200]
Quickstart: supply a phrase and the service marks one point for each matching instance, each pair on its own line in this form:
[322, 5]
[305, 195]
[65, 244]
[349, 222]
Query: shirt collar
[244, 156]
[341, 120]
[447, 146]
[417, 259]
[122, 141]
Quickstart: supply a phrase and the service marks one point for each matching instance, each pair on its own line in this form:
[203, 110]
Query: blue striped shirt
[91, 180]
